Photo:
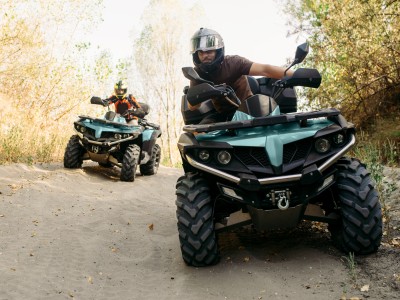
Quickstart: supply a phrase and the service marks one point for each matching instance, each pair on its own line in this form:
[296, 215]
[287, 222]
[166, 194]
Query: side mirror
[301, 52]
[96, 100]
[191, 74]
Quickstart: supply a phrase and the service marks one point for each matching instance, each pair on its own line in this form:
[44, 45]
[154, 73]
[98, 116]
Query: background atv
[111, 141]
[271, 170]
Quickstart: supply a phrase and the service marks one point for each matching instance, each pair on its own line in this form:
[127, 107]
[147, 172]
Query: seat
[254, 85]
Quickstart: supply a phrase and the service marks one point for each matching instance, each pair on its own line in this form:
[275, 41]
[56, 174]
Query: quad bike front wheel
[360, 230]
[130, 162]
[195, 221]
[73, 153]
[151, 167]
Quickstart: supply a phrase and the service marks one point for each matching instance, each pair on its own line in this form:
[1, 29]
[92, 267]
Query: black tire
[130, 162]
[73, 156]
[151, 167]
[360, 230]
[195, 221]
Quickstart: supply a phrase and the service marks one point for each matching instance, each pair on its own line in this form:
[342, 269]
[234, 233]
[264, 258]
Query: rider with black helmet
[208, 51]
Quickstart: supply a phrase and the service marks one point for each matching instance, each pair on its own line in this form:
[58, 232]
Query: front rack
[263, 121]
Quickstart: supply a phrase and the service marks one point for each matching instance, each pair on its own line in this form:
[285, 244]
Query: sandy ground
[83, 234]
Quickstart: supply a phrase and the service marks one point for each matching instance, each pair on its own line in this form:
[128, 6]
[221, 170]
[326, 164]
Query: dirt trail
[83, 234]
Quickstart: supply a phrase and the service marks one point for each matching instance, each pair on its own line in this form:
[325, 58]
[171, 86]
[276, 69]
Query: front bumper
[251, 182]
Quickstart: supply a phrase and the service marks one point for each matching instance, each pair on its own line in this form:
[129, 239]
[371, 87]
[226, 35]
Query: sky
[254, 29]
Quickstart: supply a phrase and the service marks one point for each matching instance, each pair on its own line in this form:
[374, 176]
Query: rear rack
[263, 121]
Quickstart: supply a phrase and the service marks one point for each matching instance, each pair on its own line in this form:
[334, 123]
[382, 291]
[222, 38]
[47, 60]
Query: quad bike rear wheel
[360, 230]
[151, 167]
[195, 221]
[130, 162]
[73, 153]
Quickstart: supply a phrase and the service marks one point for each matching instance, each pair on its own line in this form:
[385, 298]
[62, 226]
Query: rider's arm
[133, 101]
[111, 99]
[269, 71]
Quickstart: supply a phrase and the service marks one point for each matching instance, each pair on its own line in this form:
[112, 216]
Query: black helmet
[207, 39]
[120, 89]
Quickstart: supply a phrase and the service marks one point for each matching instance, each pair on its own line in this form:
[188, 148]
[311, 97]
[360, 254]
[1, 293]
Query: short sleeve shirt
[232, 72]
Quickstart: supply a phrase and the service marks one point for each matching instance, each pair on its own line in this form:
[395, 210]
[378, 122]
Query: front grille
[90, 133]
[107, 135]
[252, 157]
[296, 150]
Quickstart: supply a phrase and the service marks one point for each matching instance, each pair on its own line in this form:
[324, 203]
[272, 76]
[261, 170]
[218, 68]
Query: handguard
[202, 92]
[302, 77]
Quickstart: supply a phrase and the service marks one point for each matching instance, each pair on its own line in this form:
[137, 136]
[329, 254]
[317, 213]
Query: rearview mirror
[96, 100]
[301, 53]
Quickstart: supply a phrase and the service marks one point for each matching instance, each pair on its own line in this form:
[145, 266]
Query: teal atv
[270, 168]
[111, 141]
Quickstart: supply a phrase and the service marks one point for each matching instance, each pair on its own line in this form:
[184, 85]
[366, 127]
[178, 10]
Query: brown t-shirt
[232, 72]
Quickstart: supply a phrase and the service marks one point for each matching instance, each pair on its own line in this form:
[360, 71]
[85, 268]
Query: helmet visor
[207, 42]
[120, 92]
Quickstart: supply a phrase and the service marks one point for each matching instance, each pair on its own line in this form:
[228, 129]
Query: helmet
[207, 39]
[120, 89]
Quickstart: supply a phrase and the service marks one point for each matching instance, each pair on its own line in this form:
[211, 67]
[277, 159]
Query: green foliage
[25, 144]
[41, 76]
[12, 145]
[356, 47]
[351, 266]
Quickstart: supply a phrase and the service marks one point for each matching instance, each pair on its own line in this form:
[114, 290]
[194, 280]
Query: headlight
[117, 136]
[204, 155]
[224, 157]
[338, 139]
[82, 129]
[322, 145]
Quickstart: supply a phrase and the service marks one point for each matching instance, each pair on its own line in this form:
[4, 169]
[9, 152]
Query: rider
[211, 63]
[123, 102]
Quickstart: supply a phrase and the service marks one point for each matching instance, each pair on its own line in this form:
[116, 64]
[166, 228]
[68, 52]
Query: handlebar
[144, 122]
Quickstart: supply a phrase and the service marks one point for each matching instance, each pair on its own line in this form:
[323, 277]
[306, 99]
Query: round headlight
[322, 145]
[204, 155]
[224, 157]
[117, 136]
[338, 139]
[82, 129]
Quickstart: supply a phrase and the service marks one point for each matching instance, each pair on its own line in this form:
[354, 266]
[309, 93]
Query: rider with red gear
[123, 102]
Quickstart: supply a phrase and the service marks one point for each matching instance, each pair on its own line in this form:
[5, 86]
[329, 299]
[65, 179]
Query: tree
[160, 52]
[356, 47]
[38, 70]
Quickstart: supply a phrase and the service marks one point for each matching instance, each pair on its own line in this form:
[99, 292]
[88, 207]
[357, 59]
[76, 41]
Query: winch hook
[283, 203]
